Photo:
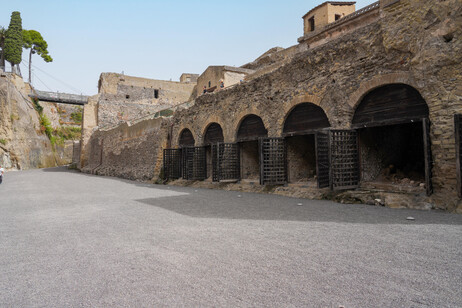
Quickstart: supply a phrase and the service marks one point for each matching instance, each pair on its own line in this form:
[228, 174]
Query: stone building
[367, 107]
[214, 75]
[326, 13]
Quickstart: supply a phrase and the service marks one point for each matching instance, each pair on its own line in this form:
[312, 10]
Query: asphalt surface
[73, 240]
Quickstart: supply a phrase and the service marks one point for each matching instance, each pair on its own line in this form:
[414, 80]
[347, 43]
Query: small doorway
[394, 145]
[250, 129]
[301, 128]
[213, 135]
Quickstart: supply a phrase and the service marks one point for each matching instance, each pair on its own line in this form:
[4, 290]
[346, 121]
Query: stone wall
[124, 98]
[417, 43]
[129, 151]
[23, 144]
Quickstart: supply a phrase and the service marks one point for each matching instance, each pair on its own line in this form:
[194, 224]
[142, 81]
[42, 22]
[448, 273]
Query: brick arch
[297, 100]
[204, 131]
[240, 117]
[211, 119]
[381, 80]
[177, 134]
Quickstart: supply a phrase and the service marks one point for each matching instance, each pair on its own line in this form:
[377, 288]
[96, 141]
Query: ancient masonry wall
[129, 151]
[123, 98]
[418, 43]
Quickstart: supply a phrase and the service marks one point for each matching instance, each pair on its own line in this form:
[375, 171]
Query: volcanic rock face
[22, 143]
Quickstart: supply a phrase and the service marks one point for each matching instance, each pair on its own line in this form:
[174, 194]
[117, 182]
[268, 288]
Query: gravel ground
[73, 240]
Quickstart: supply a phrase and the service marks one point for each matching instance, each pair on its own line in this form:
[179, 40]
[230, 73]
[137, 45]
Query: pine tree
[2, 46]
[13, 40]
[33, 39]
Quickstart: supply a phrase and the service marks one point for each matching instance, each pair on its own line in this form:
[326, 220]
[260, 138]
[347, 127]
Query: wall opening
[186, 138]
[337, 16]
[250, 129]
[156, 93]
[393, 141]
[250, 160]
[300, 126]
[213, 135]
[393, 154]
[311, 23]
[301, 158]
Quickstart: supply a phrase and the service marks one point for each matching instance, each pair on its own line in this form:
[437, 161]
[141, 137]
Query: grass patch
[3, 141]
[77, 116]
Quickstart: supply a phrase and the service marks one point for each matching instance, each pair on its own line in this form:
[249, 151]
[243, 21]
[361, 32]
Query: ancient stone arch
[304, 98]
[307, 116]
[401, 77]
[213, 131]
[237, 121]
[212, 119]
[182, 130]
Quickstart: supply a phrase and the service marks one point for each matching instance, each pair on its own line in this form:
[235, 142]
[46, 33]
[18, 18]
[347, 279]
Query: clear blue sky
[152, 39]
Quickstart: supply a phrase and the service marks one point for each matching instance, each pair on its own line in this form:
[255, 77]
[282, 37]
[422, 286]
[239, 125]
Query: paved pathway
[74, 240]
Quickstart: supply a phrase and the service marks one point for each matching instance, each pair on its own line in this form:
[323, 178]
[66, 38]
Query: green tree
[34, 41]
[2, 46]
[13, 40]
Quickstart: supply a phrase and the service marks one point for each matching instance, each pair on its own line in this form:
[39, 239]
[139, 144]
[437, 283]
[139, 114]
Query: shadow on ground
[228, 205]
[210, 203]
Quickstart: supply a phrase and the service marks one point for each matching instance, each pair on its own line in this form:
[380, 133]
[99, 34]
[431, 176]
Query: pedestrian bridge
[57, 97]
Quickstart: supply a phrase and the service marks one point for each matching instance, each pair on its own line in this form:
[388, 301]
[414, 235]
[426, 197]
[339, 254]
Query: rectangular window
[156, 93]
[311, 23]
[337, 17]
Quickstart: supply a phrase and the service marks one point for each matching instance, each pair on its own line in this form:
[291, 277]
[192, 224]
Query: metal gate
[344, 172]
[273, 161]
[428, 156]
[225, 162]
[458, 136]
[194, 163]
[215, 163]
[172, 164]
[322, 159]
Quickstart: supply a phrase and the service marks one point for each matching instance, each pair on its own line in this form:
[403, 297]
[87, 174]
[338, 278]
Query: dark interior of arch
[186, 138]
[390, 104]
[213, 134]
[305, 117]
[251, 128]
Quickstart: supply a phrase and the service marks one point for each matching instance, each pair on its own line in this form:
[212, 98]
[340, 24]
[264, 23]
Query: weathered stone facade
[414, 43]
[23, 143]
[123, 98]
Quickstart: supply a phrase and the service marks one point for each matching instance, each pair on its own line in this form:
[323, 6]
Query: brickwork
[416, 43]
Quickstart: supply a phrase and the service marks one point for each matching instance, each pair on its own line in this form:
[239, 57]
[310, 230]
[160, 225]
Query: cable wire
[77, 91]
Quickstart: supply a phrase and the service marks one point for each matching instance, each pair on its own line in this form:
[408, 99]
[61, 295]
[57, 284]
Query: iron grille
[172, 164]
[458, 136]
[215, 163]
[344, 159]
[227, 162]
[273, 161]
[194, 163]
[428, 156]
[322, 159]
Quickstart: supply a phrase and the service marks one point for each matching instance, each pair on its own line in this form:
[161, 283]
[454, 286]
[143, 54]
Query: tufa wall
[417, 43]
[123, 98]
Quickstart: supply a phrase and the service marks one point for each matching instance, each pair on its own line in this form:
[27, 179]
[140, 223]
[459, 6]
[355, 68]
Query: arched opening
[393, 130]
[250, 129]
[213, 135]
[300, 128]
[186, 138]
